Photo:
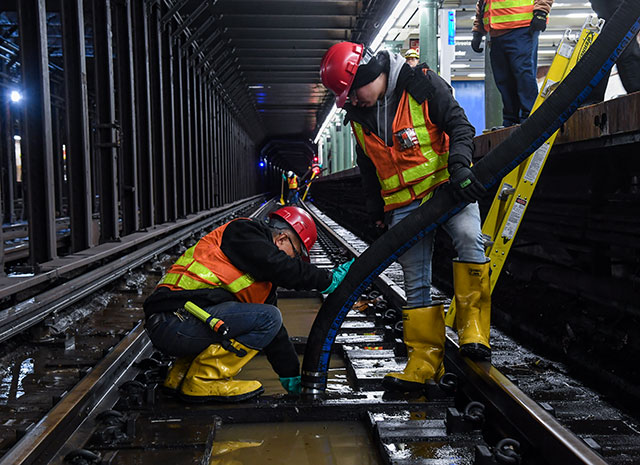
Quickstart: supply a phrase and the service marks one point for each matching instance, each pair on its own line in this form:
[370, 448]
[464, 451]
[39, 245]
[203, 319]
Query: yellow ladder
[513, 197]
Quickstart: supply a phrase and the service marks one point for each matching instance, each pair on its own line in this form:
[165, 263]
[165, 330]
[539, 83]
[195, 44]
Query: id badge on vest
[407, 138]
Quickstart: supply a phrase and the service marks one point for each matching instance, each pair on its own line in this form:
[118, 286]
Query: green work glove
[292, 385]
[339, 272]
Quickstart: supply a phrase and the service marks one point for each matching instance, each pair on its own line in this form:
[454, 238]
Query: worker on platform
[412, 136]
[412, 57]
[513, 27]
[232, 274]
[292, 182]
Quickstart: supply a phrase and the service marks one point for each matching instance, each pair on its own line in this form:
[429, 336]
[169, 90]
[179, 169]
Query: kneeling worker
[232, 274]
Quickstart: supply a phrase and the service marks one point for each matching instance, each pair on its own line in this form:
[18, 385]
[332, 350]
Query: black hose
[556, 109]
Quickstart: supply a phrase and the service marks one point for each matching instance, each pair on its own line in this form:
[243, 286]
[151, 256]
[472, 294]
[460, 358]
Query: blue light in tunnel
[261, 164]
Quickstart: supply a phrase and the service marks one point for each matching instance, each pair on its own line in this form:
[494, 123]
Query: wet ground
[313, 443]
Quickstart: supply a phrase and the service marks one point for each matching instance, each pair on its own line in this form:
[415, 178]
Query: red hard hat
[338, 69]
[302, 224]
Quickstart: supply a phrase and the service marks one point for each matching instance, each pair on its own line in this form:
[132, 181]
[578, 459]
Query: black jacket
[444, 112]
[248, 244]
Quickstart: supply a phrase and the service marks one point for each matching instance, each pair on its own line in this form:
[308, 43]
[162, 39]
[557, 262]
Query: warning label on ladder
[537, 159]
[515, 216]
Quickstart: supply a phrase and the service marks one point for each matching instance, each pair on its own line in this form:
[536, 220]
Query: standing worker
[412, 57]
[292, 180]
[514, 27]
[412, 136]
[232, 274]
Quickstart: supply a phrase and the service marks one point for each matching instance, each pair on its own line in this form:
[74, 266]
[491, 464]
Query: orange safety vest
[507, 14]
[407, 174]
[205, 266]
[293, 182]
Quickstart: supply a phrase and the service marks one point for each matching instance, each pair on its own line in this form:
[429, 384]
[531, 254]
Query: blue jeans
[514, 61]
[254, 325]
[466, 233]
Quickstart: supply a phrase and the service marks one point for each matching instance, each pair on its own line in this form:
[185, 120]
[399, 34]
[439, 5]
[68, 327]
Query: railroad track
[116, 413]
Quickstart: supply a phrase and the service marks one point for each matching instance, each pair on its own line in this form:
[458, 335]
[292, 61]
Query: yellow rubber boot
[472, 289]
[176, 374]
[210, 376]
[423, 330]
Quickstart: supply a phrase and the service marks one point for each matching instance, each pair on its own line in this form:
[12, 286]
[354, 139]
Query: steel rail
[49, 436]
[32, 311]
[45, 439]
[556, 443]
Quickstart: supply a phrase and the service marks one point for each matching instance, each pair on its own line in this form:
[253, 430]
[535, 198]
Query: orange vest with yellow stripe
[205, 266]
[293, 182]
[407, 174]
[507, 14]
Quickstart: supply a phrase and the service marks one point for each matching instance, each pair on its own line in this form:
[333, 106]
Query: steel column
[492, 97]
[106, 139]
[226, 134]
[57, 142]
[334, 148]
[169, 76]
[207, 143]
[195, 142]
[218, 150]
[142, 84]
[188, 122]
[77, 109]
[158, 85]
[126, 99]
[347, 147]
[37, 143]
[428, 33]
[340, 147]
[180, 139]
[9, 168]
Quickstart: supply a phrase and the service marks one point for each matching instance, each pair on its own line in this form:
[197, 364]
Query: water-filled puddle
[302, 443]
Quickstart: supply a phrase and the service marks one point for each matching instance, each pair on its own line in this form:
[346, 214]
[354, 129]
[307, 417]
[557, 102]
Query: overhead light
[388, 24]
[375, 45]
[476, 75]
[460, 65]
[257, 86]
[15, 96]
[17, 138]
[328, 119]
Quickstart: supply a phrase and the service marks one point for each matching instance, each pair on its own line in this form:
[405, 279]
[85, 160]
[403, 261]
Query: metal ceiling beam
[289, 34]
[286, 44]
[292, 7]
[287, 20]
[205, 45]
[190, 19]
[198, 32]
[172, 11]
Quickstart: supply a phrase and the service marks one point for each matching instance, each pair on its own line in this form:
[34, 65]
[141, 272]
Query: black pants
[628, 62]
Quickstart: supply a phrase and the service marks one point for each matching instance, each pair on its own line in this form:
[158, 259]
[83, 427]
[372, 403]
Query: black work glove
[538, 22]
[465, 185]
[476, 41]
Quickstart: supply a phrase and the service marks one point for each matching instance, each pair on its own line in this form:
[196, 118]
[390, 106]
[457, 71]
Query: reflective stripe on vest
[507, 14]
[415, 181]
[187, 273]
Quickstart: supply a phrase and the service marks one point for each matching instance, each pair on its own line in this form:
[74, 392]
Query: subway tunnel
[129, 129]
